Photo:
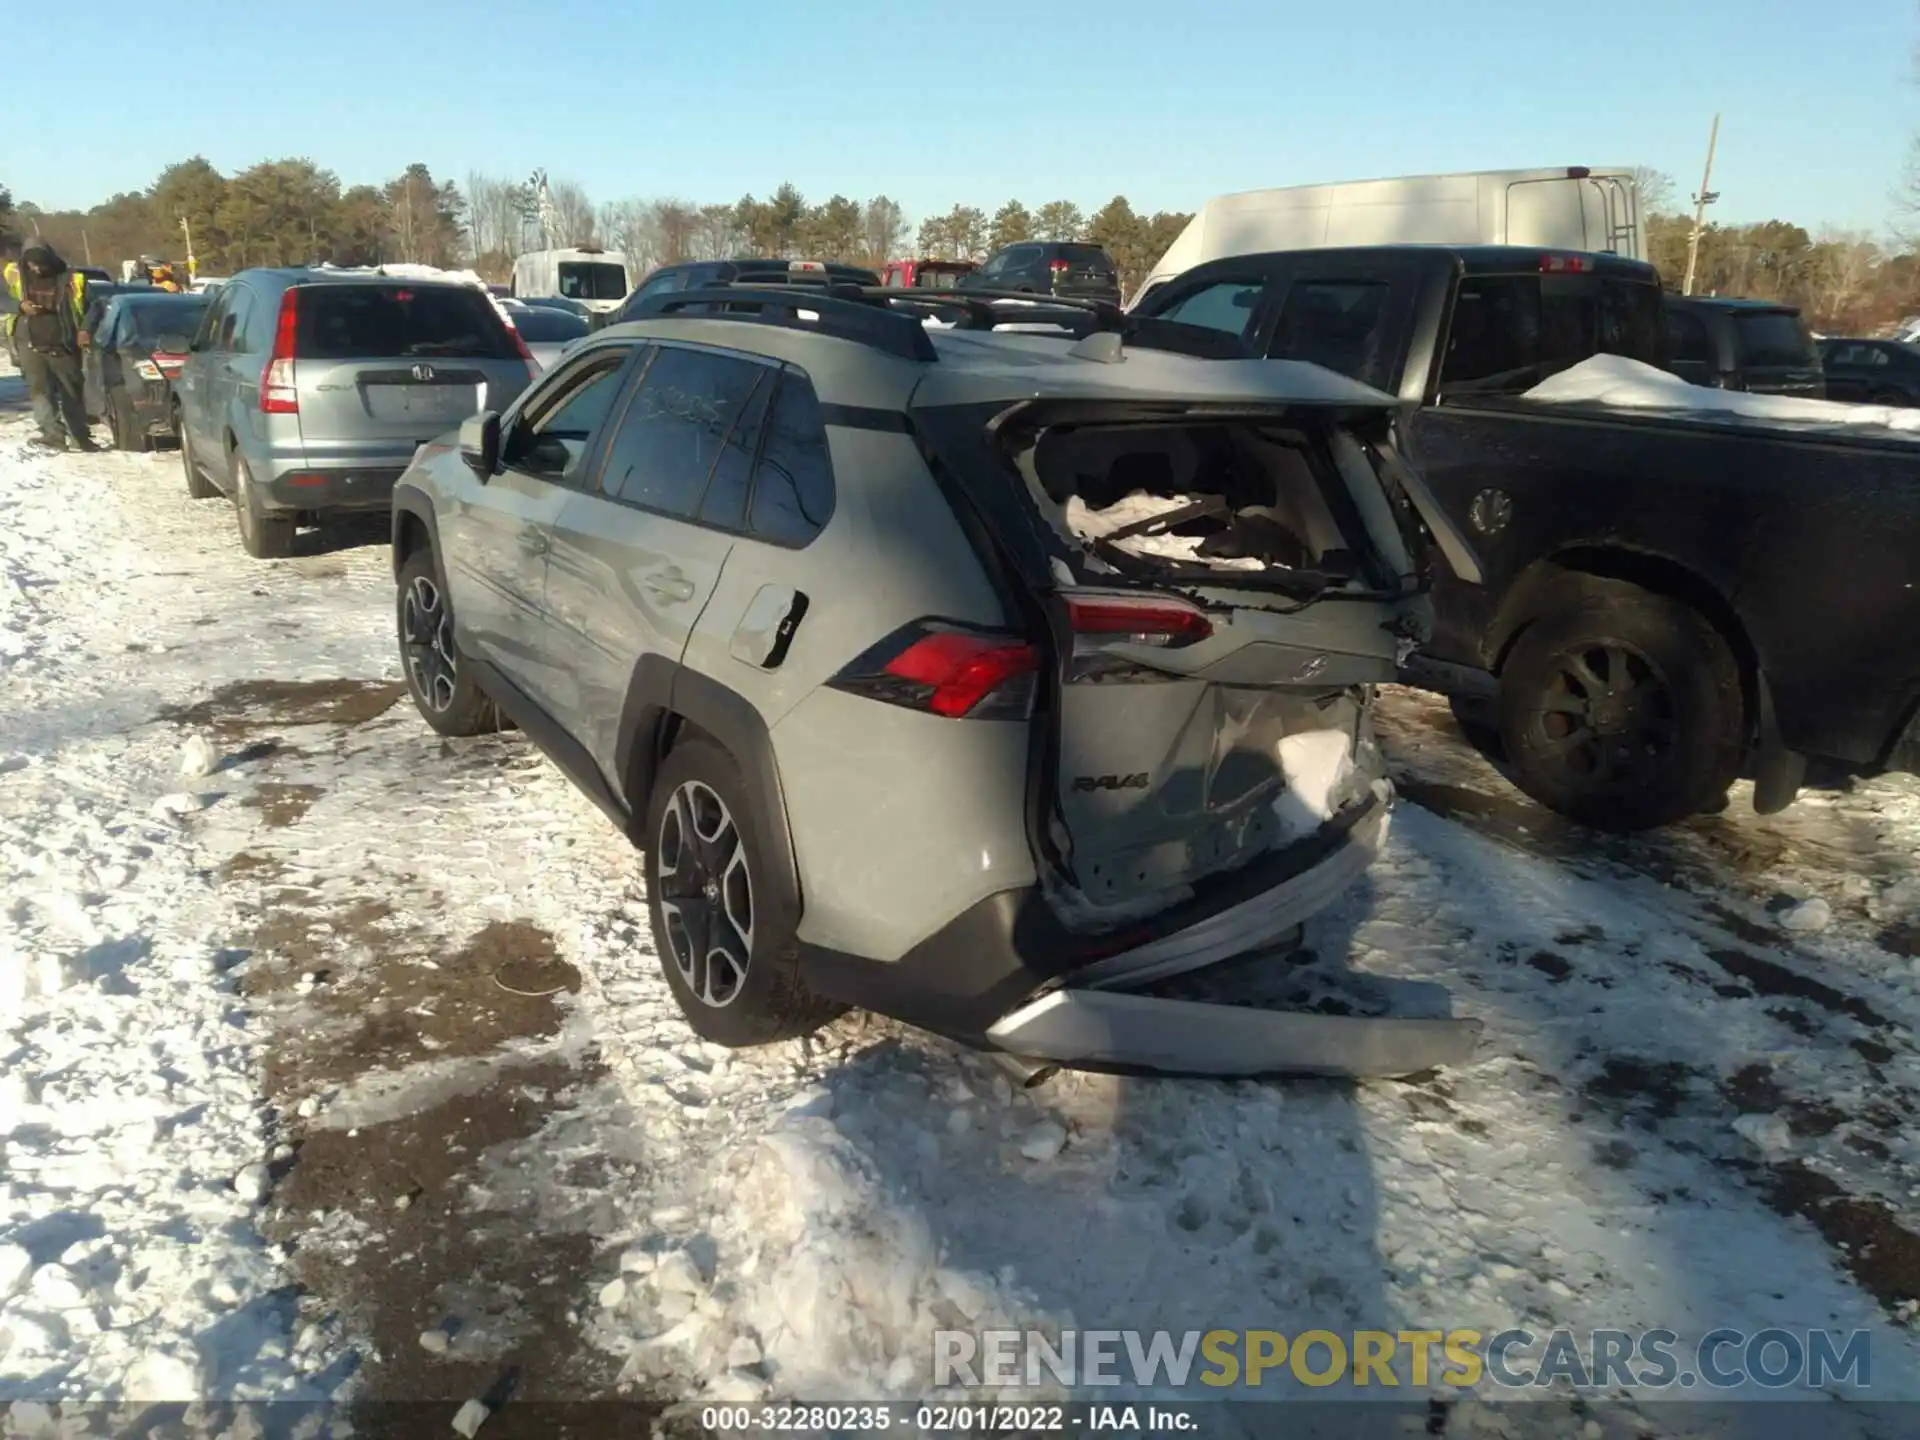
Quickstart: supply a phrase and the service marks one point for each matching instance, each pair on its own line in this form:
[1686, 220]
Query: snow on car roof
[994, 364]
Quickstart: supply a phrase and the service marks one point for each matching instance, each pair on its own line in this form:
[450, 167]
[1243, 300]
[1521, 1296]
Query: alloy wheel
[705, 890]
[1607, 717]
[426, 635]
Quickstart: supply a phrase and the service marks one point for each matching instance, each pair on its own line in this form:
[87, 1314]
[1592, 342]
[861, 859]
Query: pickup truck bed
[1667, 602]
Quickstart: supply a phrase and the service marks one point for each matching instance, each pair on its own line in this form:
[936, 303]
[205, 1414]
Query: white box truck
[1575, 207]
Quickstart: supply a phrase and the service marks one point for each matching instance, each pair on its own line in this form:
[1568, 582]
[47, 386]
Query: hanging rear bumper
[1114, 1030]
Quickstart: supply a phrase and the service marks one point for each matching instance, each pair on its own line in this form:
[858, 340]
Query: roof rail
[838, 311]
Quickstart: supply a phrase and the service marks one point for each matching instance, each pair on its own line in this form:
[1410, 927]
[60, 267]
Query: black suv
[1044, 267]
[1755, 345]
[699, 274]
[1880, 372]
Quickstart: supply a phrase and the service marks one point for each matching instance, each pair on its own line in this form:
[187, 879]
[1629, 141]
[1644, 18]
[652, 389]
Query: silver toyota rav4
[974, 678]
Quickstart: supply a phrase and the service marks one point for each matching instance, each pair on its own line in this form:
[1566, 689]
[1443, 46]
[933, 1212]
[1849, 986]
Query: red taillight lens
[279, 394]
[1161, 620]
[1564, 265]
[533, 365]
[1059, 267]
[947, 671]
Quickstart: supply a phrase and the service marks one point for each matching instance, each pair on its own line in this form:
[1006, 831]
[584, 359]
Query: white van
[1573, 207]
[598, 279]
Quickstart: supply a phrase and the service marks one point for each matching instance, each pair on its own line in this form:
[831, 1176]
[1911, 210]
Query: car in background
[1047, 267]
[306, 392]
[135, 355]
[698, 274]
[1878, 372]
[1759, 346]
[555, 302]
[925, 274]
[548, 333]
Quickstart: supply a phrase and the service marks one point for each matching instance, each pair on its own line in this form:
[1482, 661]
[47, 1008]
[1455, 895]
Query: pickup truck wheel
[1478, 720]
[723, 928]
[1624, 711]
[443, 690]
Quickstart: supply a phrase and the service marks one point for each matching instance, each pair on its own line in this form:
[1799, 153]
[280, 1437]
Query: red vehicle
[925, 274]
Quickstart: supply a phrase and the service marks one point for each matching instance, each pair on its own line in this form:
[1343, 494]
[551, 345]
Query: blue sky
[980, 100]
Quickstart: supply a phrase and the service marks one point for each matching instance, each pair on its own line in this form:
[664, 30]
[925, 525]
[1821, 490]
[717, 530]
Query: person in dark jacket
[52, 301]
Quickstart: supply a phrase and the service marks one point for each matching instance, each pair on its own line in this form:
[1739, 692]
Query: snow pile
[1317, 766]
[839, 1276]
[1629, 384]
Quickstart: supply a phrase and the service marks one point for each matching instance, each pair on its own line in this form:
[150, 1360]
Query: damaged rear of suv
[1065, 686]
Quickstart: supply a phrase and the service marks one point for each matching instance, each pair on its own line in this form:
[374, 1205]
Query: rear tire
[1622, 709]
[1887, 397]
[1478, 720]
[198, 486]
[723, 927]
[124, 426]
[443, 690]
[263, 536]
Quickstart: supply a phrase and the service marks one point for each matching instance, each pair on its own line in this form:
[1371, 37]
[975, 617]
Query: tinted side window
[1687, 338]
[1335, 323]
[233, 326]
[793, 486]
[1510, 332]
[553, 444]
[1773, 338]
[725, 504]
[674, 428]
[1227, 306]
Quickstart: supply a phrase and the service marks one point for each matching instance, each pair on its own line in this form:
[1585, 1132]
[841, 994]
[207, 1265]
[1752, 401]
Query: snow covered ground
[341, 1067]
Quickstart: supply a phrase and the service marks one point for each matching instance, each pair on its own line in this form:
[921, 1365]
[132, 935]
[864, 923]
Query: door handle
[533, 540]
[669, 585]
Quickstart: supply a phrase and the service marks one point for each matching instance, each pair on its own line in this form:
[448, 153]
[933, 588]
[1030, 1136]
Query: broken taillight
[1161, 620]
[947, 670]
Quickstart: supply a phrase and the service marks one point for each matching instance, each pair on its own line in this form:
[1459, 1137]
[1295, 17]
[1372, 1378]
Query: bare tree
[717, 235]
[496, 217]
[573, 215]
[1656, 190]
[1843, 266]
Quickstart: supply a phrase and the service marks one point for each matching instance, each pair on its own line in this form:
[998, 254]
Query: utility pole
[1700, 202]
[186, 231]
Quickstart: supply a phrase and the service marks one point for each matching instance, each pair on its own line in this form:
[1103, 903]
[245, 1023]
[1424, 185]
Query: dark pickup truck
[1670, 600]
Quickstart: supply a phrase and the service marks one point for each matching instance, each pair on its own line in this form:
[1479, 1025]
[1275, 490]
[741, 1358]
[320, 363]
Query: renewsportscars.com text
[1510, 1359]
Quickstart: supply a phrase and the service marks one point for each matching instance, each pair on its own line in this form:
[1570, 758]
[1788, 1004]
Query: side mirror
[480, 443]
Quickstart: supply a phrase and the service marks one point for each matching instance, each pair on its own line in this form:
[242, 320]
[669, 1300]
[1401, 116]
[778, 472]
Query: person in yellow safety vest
[47, 336]
[166, 278]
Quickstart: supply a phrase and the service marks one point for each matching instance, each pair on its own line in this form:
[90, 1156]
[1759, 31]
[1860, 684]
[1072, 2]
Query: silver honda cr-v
[306, 392]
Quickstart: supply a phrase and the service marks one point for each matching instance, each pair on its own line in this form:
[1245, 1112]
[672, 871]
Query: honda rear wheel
[262, 535]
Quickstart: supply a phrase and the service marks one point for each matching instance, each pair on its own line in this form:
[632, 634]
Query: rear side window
[725, 503]
[1510, 332]
[793, 486]
[1227, 306]
[1687, 340]
[1335, 323]
[390, 322]
[674, 428]
[1773, 338]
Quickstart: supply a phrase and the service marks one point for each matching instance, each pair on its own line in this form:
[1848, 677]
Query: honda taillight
[279, 395]
[945, 670]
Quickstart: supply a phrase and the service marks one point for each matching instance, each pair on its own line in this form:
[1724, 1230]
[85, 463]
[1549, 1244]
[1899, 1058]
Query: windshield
[592, 280]
[381, 322]
[939, 277]
[548, 327]
[1774, 339]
